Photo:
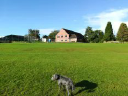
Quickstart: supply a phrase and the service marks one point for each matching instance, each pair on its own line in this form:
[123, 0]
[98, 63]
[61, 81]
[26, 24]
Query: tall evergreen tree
[109, 32]
[122, 34]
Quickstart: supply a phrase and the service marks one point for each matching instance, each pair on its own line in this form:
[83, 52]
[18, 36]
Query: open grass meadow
[96, 69]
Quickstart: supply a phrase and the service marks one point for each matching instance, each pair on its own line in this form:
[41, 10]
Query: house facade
[66, 35]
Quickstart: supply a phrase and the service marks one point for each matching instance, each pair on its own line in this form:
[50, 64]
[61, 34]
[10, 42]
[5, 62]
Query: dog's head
[55, 77]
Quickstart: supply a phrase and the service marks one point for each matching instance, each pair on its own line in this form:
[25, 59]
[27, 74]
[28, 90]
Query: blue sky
[17, 16]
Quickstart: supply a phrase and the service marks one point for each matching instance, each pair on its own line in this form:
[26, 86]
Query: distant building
[14, 38]
[10, 38]
[44, 40]
[66, 35]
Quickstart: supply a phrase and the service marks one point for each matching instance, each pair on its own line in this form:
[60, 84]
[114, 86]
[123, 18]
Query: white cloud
[46, 31]
[116, 17]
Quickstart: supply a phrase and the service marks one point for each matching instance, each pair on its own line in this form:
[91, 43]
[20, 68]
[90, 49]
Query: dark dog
[64, 81]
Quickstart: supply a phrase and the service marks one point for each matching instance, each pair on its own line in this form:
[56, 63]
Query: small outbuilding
[44, 40]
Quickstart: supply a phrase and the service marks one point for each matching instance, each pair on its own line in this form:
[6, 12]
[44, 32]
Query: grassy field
[96, 69]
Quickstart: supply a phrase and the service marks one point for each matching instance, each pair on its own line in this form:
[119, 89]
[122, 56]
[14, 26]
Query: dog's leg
[59, 89]
[68, 90]
[71, 93]
[64, 88]
[59, 85]
[72, 89]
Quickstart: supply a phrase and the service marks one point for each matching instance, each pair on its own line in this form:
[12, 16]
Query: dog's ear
[57, 77]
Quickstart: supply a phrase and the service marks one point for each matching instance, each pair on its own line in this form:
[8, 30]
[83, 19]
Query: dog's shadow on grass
[86, 86]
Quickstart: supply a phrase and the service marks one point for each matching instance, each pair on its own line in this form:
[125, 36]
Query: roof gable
[73, 34]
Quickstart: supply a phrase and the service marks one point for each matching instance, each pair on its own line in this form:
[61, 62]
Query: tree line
[34, 34]
[96, 36]
[92, 36]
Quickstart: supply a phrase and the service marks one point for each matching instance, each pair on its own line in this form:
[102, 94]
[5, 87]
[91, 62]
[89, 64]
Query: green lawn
[96, 69]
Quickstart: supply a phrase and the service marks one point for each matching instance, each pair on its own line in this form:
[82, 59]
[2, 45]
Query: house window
[61, 36]
[65, 40]
[65, 35]
[58, 36]
[61, 40]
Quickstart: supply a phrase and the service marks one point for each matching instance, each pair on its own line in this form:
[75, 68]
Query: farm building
[10, 38]
[66, 35]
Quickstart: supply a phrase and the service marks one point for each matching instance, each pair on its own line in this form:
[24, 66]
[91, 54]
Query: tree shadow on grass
[86, 85]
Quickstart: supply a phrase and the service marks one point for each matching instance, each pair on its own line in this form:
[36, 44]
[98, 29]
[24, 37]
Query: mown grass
[96, 69]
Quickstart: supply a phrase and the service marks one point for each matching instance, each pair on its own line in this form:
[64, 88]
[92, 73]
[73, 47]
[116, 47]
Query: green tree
[99, 34]
[53, 34]
[93, 36]
[34, 33]
[109, 32]
[44, 36]
[88, 34]
[122, 34]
